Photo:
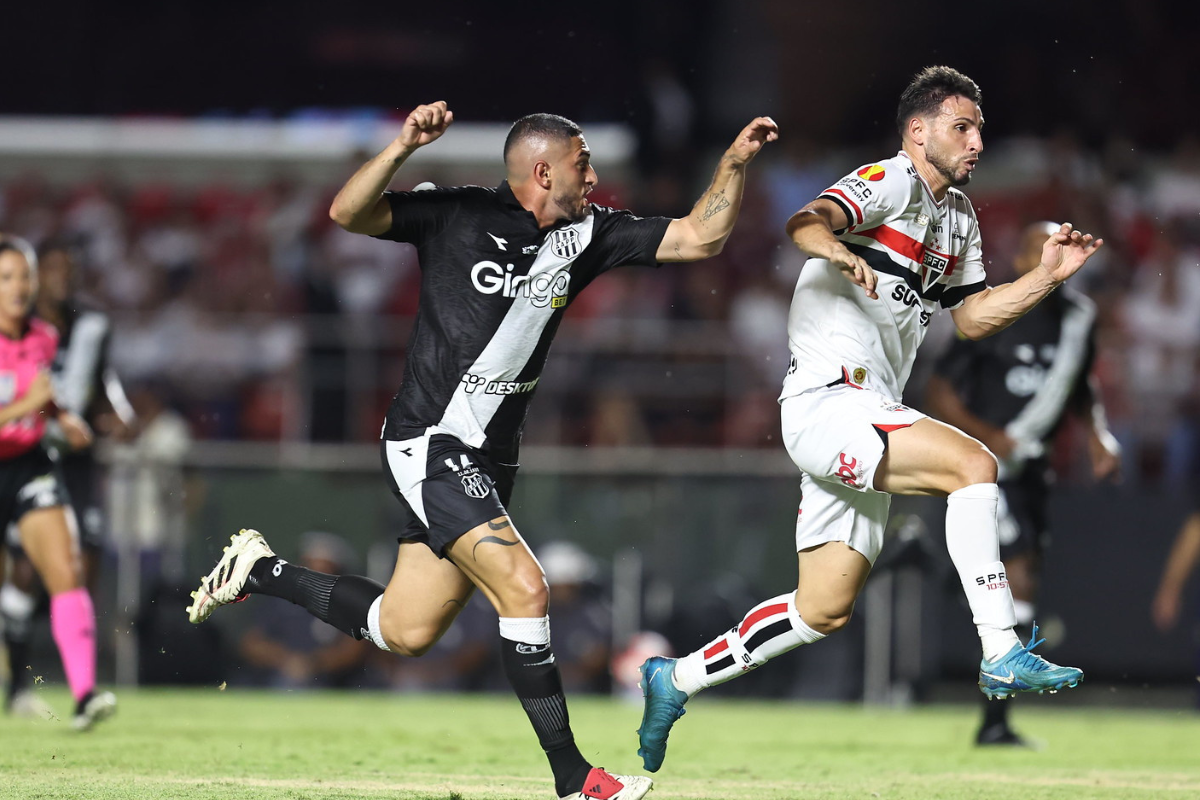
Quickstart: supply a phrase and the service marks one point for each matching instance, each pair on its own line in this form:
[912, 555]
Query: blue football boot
[664, 705]
[1020, 670]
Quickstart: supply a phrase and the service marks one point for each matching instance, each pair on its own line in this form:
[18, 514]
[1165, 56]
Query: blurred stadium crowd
[249, 311]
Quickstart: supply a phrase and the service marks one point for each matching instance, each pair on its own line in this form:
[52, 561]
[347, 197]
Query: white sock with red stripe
[770, 629]
[973, 539]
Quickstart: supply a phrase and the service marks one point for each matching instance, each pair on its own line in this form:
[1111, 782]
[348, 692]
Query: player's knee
[413, 641]
[826, 617]
[526, 593]
[975, 464]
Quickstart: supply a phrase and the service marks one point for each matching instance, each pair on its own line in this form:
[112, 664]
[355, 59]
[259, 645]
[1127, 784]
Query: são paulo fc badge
[565, 243]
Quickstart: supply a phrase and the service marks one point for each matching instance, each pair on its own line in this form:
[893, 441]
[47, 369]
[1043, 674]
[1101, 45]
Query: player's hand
[40, 391]
[425, 124]
[1106, 459]
[1001, 444]
[857, 271]
[1165, 610]
[752, 138]
[77, 432]
[1066, 251]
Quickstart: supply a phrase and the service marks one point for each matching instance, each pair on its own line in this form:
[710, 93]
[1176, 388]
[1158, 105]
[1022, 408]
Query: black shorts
[446, 487]
[81, 474]
[28, 482]
[1022, 516]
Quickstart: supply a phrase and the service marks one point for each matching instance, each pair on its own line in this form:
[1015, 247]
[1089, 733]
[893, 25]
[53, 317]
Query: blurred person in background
[1177, 571]
[1161, 314]
[1013, 391]
[290, 648]
[583, 652]
[33, 496]
[86, 385]
[887, 245]
[499, 268]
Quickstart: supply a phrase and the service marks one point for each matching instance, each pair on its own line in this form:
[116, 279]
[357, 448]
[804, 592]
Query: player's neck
[537, 202]
[935, 180]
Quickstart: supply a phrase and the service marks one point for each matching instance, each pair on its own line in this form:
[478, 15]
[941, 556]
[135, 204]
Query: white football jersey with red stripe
[924, 253]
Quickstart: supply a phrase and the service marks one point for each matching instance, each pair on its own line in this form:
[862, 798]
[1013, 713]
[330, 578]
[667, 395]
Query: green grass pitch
[232, 745]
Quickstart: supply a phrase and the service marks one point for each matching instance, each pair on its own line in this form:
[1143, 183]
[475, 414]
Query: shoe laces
[1027, 659]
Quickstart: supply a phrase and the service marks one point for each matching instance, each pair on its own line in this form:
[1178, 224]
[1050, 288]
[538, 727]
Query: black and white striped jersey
[493, 291]
[1025, 378]
[82, 358]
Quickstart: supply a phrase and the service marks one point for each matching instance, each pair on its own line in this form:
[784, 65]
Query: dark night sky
[1119, 66]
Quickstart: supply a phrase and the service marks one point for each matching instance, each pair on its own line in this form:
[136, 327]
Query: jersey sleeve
[870, 195]
[622, 239]
[418, 217]
[969, 275]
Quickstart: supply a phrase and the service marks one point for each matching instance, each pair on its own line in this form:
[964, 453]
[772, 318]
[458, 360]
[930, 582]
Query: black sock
[17, 631]
[18, 661]
[341, 600]
[534, 677]
[995, 712]
[82, 702]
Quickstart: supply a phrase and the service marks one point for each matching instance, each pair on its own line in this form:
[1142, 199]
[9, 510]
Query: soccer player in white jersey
[887, 245]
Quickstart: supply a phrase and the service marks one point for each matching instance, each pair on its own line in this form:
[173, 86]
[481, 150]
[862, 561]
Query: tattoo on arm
[715, 204]
[491, 540]
[498, 526]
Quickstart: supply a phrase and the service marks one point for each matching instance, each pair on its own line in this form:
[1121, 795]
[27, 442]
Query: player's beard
[946, 166]
[573, 208]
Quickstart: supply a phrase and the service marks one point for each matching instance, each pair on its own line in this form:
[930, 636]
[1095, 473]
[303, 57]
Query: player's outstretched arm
[994, 309]
[702, 233]
[1185, 554]
[360, 206]
[812, 227]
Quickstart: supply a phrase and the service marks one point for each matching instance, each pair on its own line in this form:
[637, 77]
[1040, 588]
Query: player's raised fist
[1066, 251]
[752, 138]
[425, 124]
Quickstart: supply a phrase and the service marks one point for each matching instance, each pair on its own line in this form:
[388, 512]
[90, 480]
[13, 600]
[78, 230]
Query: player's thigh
[422, 599]
[49, 539]
[497, 560]
[933, 458]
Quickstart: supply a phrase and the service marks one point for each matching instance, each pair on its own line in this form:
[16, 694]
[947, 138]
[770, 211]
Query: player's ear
[541, 174]
[916, 130]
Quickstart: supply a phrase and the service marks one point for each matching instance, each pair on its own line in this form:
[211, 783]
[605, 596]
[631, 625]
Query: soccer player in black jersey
[499, 267]
[1012, 391]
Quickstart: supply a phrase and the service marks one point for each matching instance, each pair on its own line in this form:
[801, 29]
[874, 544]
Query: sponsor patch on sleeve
[871, 173]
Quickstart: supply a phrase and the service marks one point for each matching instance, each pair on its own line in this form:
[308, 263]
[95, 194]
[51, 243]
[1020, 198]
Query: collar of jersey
[928, 191]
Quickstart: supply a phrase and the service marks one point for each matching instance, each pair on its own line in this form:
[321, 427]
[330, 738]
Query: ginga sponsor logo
[543, 289]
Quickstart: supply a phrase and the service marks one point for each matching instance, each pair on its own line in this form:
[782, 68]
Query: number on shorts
[846, 470]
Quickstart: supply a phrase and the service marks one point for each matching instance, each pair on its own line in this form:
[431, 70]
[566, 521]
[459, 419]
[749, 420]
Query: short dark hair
[550, 126]
[929, 88]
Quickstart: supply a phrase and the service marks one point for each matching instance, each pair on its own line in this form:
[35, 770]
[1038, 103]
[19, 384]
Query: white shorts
[837, 436]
